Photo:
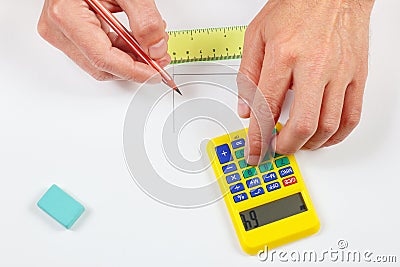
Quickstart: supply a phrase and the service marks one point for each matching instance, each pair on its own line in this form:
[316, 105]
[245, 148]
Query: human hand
[72, 27]
[320, 50]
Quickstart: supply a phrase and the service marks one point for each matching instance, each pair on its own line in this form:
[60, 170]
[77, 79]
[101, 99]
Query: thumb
[147, 26]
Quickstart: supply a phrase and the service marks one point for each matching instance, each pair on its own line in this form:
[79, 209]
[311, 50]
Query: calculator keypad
[258, 180]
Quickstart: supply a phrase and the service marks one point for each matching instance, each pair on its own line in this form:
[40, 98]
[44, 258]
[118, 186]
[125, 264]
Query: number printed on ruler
[206, 44]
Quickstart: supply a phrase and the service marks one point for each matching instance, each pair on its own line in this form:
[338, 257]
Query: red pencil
[130, 41]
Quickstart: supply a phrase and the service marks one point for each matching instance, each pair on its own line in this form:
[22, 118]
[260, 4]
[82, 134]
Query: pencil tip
[177, 90]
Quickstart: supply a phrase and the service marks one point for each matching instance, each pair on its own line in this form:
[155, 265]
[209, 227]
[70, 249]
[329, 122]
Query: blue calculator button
[238, 143]
[253, 182]
[229, 168]
[273, 186]
[223, 153]
[235, 177]
[236, 188]
[269, 177]
[240, 197]
[286, 171]
[257, 192]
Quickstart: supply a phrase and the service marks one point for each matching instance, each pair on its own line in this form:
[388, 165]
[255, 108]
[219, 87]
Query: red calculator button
[289, 181]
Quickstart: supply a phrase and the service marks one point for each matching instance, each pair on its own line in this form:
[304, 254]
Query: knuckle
[274, 107]
[99, 62]
[283, 51]
[305, 127]
[133, 74]
[265, 108]
[333, 141]
[329, 126]
[101, 76]
[255, 142]
[352, 119]
[55, 11]
[148, 26]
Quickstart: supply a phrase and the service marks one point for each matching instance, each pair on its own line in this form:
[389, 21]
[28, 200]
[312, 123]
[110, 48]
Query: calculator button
[266, 167]
[277, 155]
[236, 188]
[249, 172]
[289, 181]
[257, 192]
[233, 178]
[282, 162]
[273, 186]
[239, 153]
[223, 153]
[268, 156]
[240, 197]
[269, 177]
[238, 143]
[229, 168]
[253, 182]
[243, 164]
[286, 172]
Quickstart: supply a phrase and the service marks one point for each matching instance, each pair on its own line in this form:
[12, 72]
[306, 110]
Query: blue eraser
[61, 206]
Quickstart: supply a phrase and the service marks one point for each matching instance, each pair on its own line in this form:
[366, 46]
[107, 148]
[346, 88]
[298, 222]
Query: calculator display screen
[273, 211]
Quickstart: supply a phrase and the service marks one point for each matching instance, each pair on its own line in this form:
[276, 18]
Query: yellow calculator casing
[273, 234]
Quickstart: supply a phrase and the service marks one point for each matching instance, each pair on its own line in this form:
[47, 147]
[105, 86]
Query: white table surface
[57, 125]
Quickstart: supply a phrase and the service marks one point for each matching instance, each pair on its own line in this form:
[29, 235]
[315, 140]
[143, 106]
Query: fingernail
[158, 50]
[243, 108]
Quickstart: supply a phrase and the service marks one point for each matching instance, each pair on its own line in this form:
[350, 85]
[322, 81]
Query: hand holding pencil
[85, 37]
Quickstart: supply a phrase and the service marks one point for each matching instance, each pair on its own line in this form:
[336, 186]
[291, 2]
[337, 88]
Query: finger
[147, 26]
[97, 47]
[104, 26]
[274, 82]
[75, 54]
[250, 68]
[329, 119]
[121, 44]
[303, 122]
[351, 112]
[246, 91]
[163, 62]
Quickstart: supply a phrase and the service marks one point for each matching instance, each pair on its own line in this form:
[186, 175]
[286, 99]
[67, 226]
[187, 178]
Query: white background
[57, 125]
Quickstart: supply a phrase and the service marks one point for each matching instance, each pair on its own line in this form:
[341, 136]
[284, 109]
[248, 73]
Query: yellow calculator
[269, 204]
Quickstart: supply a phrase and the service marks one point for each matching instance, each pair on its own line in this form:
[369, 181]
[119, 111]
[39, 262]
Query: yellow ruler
[206, 44]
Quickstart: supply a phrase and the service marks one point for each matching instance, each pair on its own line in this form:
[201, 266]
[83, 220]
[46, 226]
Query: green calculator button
[282, 162]
[249, 172]
[266, 157]
[266, 167]
[243, 164]
[239, 153]
[277, 155]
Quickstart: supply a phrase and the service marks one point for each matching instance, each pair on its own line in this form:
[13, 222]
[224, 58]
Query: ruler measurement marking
[206, 44]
